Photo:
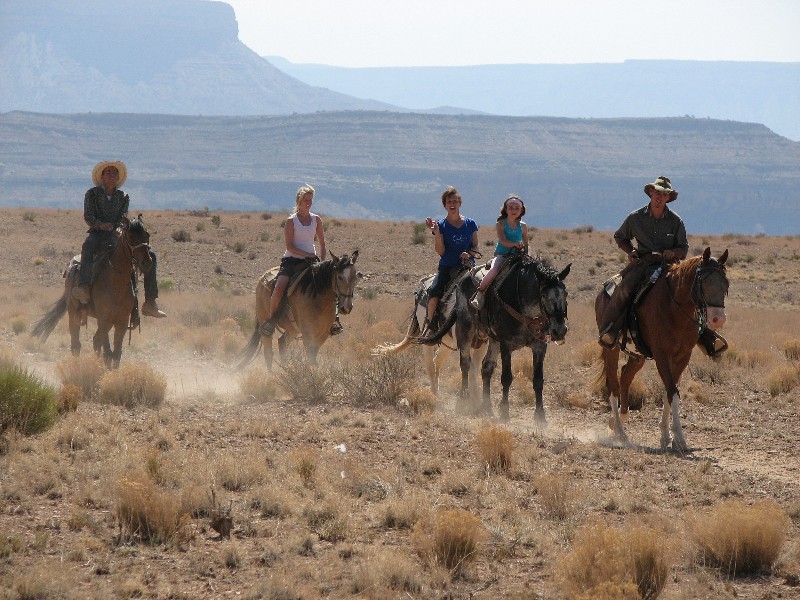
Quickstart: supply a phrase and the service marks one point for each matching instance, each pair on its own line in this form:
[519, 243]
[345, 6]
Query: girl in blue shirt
[455, 239]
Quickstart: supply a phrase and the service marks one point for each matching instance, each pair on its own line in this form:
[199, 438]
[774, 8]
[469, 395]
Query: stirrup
[608, 340]
[268, 328]
[336, 328]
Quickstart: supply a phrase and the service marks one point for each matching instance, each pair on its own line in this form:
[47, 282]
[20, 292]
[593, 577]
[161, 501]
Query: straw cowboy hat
[97, 172]
[661, 184]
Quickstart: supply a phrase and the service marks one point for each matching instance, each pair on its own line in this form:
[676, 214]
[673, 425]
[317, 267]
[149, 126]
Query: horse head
[345, 280]
[137, 239]
[547, 295]
[710, 288]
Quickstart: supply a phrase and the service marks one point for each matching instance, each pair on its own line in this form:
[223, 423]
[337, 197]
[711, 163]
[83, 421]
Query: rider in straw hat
[103, 208]
[660, 236]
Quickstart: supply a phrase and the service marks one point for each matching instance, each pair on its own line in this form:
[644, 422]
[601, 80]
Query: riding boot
[267, 328]
[613, 319]
[477, 300]
[150, 309]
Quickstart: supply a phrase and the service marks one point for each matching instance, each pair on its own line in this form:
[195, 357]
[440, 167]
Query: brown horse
[112, 296]
[323, 291]
[679, 305]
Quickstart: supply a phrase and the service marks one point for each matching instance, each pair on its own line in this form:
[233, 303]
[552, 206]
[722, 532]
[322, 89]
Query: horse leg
[74, 330]
[539, 351]
[476, 360]
[633, 365]
[506, 377]
[119, 337]
[487, 370]
[433, 359]
[266, 345]
[101, 344]
[671, 406]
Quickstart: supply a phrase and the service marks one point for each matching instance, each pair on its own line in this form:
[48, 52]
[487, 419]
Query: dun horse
[311, 306]
[112, 296]
[527, 308]
[679, 305]
[434, 356]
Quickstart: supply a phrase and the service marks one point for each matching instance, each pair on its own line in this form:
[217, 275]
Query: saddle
[630, 331]
[270, 277]
[421, 295]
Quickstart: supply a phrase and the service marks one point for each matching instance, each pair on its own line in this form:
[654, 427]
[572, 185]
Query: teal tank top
[512, 235]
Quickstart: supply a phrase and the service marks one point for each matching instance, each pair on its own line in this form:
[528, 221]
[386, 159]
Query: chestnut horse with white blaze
[323, 291]
[689, 298]
[112, 298]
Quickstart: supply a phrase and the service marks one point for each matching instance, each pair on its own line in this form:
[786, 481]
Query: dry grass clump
[748, 359]
[387, 575]
[403, 512]
[328, 518]
[305, 381]
[304, 461]
[420, 400]
[133, 385]
[381, 380]
[495, 446]
[27, 403]
[557, 495]
[782, 380]
[84, 371]
[740, 539]
[259, 386]
[148, 513]
[606, 562]
[452, 539]
[69, 396]
[791, 350]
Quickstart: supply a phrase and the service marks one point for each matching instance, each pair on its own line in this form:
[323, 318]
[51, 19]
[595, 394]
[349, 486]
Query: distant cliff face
[176, 57]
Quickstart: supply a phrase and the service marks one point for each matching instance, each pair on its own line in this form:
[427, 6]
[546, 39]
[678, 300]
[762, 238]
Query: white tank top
[304, 236]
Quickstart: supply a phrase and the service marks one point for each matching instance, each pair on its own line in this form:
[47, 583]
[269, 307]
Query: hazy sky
[360, 33]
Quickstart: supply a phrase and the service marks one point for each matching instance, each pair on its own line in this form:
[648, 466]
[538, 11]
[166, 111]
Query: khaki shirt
[651, 234]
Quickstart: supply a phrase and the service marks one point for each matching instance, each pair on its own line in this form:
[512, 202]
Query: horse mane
[136, 227]
[317, 278]
[683, 268]
[543, 271]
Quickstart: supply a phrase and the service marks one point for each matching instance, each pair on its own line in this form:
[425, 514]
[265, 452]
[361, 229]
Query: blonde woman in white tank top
[305, 238]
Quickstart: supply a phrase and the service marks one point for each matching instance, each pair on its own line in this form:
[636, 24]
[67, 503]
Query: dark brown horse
[680, 304]
[112, 296]
[324, 290]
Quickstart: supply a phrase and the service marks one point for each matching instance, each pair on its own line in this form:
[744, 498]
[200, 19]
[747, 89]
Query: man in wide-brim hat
[660, 236]
[104, 206]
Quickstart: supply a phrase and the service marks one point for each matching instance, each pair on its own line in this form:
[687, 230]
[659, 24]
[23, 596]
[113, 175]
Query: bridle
[697, 293]
[340, 295]
[129, 249]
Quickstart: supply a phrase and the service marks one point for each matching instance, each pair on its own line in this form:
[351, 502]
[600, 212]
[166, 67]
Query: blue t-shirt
[456, 240]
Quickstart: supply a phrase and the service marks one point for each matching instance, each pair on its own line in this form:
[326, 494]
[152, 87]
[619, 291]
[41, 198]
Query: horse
[112, 294]
[528, 307]
[435, 356]
[312, 305]
[690, 297]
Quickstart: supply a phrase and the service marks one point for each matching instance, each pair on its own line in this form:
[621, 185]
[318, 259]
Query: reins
[537, 324]
[697, 295]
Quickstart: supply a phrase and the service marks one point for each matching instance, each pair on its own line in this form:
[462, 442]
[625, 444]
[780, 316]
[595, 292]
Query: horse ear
[333, 256]
[721, 260]
[706, 254]
[563, 275]
[354, 256]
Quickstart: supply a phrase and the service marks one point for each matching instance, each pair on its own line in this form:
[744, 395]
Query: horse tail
[248, 353]
[44, 326]
[436, 338]
[409, 340]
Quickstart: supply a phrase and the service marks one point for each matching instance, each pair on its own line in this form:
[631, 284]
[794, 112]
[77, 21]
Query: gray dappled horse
[525, 308]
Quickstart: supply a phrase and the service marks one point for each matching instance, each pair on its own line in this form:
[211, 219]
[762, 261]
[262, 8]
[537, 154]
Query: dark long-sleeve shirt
[99, 208]
[651, 234]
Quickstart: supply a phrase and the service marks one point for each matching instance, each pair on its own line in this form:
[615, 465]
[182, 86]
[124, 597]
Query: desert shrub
[583, 229]
[133, 385]
[418, 236]
[69, 397]
[27, 403]
[148, 513]
[304, 461]
[421, 400]
[200, 226]
[18, 325]
[259, 386]
[387, 576]
[606, 562]
[740, 539]
[791, 350]
[782, 380]
[29, 216]
[328, 519]
[238, 247]
[305, 381]
[379, 380]
[452, 539]
[84, 371]
[402, 512]
[556, 495]
[495, 447]
[181, 235]
[216, 220]
[167, 285]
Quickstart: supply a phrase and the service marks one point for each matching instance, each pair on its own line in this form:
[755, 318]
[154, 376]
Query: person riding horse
[661, 238]
[104, 207]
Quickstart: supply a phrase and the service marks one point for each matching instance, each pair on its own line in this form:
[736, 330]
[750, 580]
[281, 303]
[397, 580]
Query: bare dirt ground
[57, 498]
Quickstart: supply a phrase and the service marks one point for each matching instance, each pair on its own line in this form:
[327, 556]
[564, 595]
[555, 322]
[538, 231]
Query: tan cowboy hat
[97, 172]
[661, 184]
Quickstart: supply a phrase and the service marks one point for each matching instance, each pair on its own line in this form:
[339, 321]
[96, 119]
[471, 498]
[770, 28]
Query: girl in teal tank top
[512, 233]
